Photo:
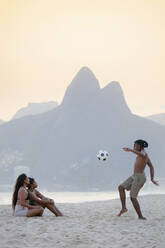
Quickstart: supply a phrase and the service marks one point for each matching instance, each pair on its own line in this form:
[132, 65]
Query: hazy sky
[44, 43]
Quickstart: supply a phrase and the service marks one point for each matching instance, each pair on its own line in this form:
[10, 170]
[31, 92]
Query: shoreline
[98, 201]
[79, 197]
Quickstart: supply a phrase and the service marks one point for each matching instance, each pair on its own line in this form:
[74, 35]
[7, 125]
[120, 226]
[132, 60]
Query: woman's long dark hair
[31, 181]
[19, 183]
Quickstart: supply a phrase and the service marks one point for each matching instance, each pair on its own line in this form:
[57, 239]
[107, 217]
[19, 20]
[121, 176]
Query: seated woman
[20, 200]
[37, 199]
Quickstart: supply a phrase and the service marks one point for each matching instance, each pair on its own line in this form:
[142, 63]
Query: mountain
[159, 118]
[1, 122]
[35, 108]
[83, 87]
[60, 146]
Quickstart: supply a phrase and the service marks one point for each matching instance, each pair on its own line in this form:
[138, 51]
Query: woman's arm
[42, 197]
[22, 199]
[37, 199]
[39, 195]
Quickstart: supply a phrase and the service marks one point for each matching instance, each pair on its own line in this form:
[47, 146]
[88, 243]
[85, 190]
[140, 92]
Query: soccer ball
[103, 155]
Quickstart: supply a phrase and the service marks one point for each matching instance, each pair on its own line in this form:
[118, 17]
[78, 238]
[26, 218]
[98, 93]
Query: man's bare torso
[140, 163]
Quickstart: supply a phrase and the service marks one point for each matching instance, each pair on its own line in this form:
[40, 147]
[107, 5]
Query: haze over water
[80, 197]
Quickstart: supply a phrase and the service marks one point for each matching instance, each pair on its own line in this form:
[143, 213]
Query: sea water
[78, 197]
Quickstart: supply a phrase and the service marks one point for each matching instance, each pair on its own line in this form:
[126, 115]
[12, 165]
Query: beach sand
[90, 224]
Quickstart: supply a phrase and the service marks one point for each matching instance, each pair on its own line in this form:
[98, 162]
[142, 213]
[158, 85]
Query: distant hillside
[159, 118]
[35, 108]
[1, 122]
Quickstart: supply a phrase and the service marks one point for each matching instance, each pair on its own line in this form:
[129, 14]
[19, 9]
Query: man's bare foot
[142, 218]
[124, 210]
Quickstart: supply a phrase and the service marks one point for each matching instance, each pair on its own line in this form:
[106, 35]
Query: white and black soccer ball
[102, 155]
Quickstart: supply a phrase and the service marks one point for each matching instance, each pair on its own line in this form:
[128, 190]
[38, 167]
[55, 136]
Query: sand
[90, 224]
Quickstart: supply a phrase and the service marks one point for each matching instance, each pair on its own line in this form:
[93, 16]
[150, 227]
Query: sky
[44, 43]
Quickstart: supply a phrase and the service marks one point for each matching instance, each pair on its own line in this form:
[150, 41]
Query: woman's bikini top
[28, 196]
[31, 202]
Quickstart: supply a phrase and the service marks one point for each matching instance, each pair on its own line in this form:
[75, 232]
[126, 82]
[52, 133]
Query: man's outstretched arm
[126, 149]
[152, 172]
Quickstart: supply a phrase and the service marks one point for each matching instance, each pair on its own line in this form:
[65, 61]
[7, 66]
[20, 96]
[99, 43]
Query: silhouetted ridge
[113, 96]
[82, 88]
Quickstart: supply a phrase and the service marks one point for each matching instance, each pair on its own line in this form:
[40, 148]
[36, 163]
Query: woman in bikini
[21, 197]
[37, 199]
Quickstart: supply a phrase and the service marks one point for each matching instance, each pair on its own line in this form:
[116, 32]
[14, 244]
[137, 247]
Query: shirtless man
[136, 182]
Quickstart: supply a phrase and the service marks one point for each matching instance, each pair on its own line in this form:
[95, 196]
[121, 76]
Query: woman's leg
[53, 209]
[50, 205]
[35, 212]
